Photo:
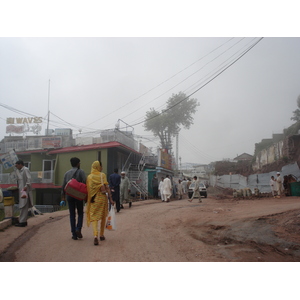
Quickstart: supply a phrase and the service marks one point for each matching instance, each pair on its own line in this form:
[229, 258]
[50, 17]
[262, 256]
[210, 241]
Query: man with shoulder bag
[74, 204]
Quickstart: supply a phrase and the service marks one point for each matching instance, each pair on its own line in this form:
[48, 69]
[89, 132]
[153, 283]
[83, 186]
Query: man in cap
[279, 185]
[124, 189]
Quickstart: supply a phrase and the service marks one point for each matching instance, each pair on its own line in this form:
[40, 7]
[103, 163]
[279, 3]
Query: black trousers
[116, 197]
[155, 192]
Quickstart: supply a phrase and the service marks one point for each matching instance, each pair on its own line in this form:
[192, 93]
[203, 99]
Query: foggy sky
[96, 81]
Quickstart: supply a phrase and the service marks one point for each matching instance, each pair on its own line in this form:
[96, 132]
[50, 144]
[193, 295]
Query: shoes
[190, 200]
[200, 201]
[102, 238]
[74, 237]
[118, 210]
[96, 241]
[24, 224]
[130, 203]
[78, 234]
[121, 206]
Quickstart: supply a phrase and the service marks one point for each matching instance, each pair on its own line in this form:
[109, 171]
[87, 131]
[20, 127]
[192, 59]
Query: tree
[296, 112]
[166, 124]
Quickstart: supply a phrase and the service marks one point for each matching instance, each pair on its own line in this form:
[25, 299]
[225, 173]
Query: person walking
[196, 192]
[184, 185]
[155, 187]
[273, 186]
[24, 184]
[124, 189]
[179, 189]
[97, 202]
[167, 189]
[73, 203]
[279, 185]
[114, 184]
[161, 189]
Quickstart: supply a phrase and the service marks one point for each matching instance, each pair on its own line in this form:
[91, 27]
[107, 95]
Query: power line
[218, 74]
[197, 82]
[168, 79]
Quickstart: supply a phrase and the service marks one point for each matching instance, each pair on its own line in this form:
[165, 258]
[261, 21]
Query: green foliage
[293, 129]
[296, 112]
[167, 123]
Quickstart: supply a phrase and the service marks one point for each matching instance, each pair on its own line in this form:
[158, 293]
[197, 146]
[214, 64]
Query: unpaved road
[223, 230]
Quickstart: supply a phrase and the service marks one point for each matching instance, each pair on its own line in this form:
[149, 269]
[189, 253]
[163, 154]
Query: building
[48, 158]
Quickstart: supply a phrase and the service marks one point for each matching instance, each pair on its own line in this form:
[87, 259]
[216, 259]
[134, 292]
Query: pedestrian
[124, 190]
[24, 184]
[180, 189]
[196, 192]
[273, 186]
[161, 189]
[97, 202]
[167, 190]
[184, 185]
[155, 187]
[73, 203]
[279, 185]
[114, 184]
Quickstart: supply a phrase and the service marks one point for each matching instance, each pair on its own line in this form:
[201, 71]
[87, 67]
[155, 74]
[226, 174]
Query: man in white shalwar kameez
[161, 189]
[124, 190]
[24, 183]
[167, 190]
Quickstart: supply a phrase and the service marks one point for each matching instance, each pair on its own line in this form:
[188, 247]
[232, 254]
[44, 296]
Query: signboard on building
[9, 159]
[21, 125]
[164, 159]
[51, 142]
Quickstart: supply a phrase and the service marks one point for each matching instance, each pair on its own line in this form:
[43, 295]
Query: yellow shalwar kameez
[98, 209]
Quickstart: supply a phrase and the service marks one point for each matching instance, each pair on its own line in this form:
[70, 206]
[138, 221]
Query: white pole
[48, 107]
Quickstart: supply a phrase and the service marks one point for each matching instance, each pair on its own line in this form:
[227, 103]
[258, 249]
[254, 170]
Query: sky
[90, 82]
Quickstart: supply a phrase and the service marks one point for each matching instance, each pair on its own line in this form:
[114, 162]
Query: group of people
[102, 194]
[276, 186]
[166, 188]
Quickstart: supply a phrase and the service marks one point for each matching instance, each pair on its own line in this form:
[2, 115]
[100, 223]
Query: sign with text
[51, 142]
[164, 159]
[9, 159]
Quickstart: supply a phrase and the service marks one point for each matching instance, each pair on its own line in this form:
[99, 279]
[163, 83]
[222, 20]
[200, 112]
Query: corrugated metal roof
[90, 147]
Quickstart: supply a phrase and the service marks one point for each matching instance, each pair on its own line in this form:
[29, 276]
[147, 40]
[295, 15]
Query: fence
[260, 181]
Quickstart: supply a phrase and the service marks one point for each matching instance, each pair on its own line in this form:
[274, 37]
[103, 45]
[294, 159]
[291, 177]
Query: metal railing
[36, 177]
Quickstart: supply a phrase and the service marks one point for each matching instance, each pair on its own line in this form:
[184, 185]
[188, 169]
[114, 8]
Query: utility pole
[177, 137]
[48, 108]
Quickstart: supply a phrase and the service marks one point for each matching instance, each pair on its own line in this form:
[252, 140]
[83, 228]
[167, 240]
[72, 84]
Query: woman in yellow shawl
[97, 204]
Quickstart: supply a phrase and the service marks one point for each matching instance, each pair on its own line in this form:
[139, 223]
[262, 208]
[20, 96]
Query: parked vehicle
[202, 189]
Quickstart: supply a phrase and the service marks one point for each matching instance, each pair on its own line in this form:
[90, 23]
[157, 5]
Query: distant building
[243, 157]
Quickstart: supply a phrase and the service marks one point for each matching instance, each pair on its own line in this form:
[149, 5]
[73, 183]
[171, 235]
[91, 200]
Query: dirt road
[221, 230]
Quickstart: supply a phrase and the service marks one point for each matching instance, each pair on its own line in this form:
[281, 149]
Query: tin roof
[90, 147]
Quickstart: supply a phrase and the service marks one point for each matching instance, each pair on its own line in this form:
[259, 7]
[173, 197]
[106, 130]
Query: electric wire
[186, 78]
[206, 77]
[168, 79]
[203, 85]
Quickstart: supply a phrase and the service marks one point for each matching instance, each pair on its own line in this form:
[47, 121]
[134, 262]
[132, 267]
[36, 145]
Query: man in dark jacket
[155, 187]
[114, 185]
[74, 203]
